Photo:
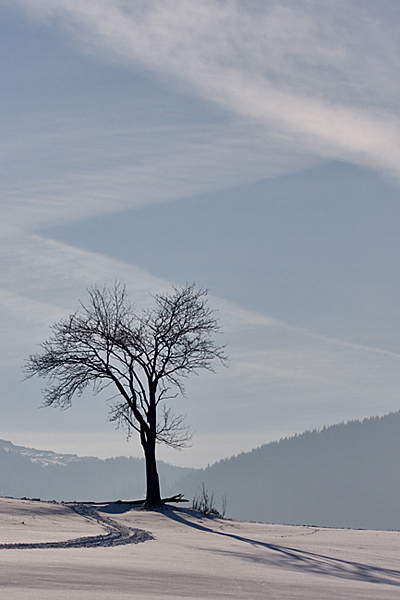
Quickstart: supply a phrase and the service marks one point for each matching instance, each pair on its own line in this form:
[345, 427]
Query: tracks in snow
[116, 534]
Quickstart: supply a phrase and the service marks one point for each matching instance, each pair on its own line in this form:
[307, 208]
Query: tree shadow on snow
[292, 558]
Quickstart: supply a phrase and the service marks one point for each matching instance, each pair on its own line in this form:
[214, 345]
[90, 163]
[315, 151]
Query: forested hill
[26, 472]
[347, 475]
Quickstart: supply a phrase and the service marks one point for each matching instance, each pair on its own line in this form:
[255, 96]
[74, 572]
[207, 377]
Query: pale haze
[250, 147]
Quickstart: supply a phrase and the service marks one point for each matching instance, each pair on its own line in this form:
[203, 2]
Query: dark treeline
[347, 475]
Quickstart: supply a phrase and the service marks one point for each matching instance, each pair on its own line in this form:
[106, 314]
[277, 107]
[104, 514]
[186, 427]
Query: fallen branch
[177, 498]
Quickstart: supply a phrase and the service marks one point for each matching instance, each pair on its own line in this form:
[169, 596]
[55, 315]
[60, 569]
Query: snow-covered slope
[40, 457]
[178, 553]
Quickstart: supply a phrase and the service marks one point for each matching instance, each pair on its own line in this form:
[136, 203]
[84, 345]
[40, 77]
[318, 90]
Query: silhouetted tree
[144, 356]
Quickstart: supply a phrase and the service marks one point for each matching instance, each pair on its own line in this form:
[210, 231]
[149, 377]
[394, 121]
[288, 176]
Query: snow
[27, 521]
[42, 457]
[113, 551]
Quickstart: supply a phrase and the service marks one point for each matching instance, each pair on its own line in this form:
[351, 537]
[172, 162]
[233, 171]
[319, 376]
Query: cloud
[325, 73]
[154, 164]
[43, 279]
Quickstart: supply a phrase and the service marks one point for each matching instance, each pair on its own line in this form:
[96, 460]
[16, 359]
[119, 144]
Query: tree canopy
[142, 356]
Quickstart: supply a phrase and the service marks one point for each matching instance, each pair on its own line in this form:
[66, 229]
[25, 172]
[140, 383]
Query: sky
[250, 147]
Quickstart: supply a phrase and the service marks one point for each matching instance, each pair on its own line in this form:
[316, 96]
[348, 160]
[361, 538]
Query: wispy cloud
[48, 186]
[323, 72]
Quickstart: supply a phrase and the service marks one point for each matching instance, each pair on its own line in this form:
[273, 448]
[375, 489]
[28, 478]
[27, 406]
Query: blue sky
[250, 147]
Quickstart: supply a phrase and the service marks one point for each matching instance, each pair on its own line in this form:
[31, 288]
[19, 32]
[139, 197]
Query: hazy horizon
[341, 476]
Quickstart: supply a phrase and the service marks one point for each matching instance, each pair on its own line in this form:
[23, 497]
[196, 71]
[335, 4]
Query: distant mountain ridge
[346, 475]
[27, 472]
[41, 457]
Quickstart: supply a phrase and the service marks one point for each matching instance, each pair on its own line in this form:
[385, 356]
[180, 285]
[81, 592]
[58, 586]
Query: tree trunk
[153, 495]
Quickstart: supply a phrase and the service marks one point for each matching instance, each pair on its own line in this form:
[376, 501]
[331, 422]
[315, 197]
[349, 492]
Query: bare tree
[144, 357]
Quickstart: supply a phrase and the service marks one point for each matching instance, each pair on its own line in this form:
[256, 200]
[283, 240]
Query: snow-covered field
[57, 552]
